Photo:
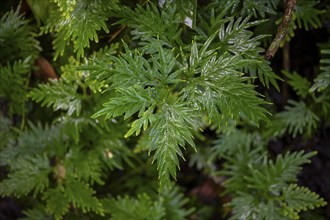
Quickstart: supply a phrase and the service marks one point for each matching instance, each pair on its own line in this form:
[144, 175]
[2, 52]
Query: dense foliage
[144, 89]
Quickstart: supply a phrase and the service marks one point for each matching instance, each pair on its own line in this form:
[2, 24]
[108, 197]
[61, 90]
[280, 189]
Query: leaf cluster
[261, 186]
[17, 38]
[167, 90]
[77, 22]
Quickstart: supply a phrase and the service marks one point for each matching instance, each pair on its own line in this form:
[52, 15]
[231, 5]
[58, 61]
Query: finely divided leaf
[127, 102]
[27, 175]
[170, 131]
[59, 94]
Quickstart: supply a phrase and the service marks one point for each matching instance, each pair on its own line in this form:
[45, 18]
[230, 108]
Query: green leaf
[297, 199]
[34, 141]
[236, 38]
[233, 143]
[187, 10]
[132, 68]
[245, 207]
[147, 118]
[128, 101]
[289, 165]
[59, 94]
[87, 169]
[271, 177]
[174, 204]
[27, 175]
[57, 202]
[299, 84]
[141, 207]
[322, 81]
[82, 196]
[38, 212]
[306, 14]
[74, 192]
[13, 85]
[170, 131]
[297, 118]
[17, 39]
[227, 97]
[149, 22]
[78, 22]
[66, 7]
[257, 183]
[259, 8]
[99, 68]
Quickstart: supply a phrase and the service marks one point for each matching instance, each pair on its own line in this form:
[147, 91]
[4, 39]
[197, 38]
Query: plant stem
[282, 29]
[113, 37]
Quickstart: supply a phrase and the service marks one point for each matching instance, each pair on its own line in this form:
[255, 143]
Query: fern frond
[56, 208]
[149, 22]
[258, 183]
[74, 192]
[27, 175]
[13, 85]
[17, 39]
[300, 84]
[66, 6]
[187, 10]
[141, 207]
[259, 8]
[234, 142]
[322, 81]
[236, 168]
[147, 118]
[228, 97]
[297, 118]
[108, 149]
[78, 22]
[37, 212]
[297, 199]
[132, 69]
[84, 166]
[216, 85]
[289, 164]
[170, 131]
[174, 203]
[237, 39]
[82, 196]
[245, 207]
[98, 69]
[128, 101]
[236, 98]
[29, 143]
[306, 14]
[59, 94]
[271, 176]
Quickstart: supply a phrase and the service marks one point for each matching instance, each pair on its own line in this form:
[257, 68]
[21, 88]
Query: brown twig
[117, 33]
[282, 30]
